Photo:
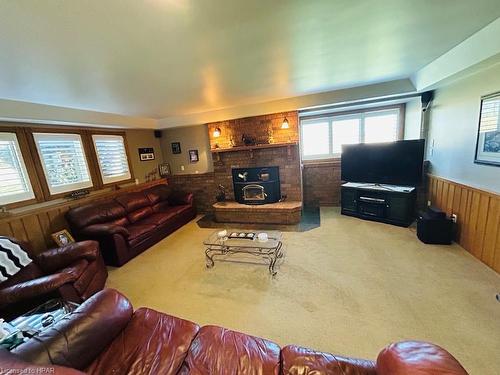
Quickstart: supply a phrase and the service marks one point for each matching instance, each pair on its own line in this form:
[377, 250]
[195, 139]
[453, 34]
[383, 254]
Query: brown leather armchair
[73, 272]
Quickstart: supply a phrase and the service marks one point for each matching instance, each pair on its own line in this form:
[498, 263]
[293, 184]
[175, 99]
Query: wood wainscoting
[35, 226]
[478, 217]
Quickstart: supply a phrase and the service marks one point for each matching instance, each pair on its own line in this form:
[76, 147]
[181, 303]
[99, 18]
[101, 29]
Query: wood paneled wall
[478, 217]
[36, 226]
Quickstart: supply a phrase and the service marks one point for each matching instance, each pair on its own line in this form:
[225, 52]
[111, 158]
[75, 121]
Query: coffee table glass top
[236, 238]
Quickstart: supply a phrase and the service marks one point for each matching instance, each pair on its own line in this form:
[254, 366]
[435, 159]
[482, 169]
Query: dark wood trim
[95, 160]
[38, 162]
[33, 162]
[30, 167]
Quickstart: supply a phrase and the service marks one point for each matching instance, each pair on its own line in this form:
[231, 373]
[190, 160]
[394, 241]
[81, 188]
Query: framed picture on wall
[176, 147]
[488, 133]
[164, 169]
[193, 156]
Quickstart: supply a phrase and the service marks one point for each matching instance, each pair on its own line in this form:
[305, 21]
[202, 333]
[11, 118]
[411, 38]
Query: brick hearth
[273, 213]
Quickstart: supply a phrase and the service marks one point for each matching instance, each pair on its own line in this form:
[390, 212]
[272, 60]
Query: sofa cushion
[95, 213]
[302, 361]
[152, 343]
[161, 206]
[76, 269]
[158, 218]
[220, 351]
[176, 210]
[158, 193]
[417, 357]
[133, 201]
[139, 214]
[139, 230]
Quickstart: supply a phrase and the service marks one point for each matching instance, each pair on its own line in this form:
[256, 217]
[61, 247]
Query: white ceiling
[167, 58]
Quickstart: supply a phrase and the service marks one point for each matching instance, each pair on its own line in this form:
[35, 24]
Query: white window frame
[118, 178]
[67, 187]
[19, 197]
[361, 115]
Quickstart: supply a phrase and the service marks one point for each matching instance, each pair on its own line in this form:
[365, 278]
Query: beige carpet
[349, 287]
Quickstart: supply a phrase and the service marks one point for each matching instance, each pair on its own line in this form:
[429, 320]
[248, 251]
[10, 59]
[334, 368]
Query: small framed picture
[488, 133]
[193, 156]
[176, 147]
[62, 238]
[146, 153]
[164, 169]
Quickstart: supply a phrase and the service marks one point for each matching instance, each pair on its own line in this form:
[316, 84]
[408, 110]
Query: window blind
[63, 161]
[15, 185]
[112, 158]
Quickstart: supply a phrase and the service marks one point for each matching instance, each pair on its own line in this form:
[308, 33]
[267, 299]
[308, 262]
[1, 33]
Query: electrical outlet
[182, 167]
[428, 203]
[454, 217]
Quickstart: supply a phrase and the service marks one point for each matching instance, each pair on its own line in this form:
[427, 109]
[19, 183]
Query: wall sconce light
[285, 124]
[217, 132]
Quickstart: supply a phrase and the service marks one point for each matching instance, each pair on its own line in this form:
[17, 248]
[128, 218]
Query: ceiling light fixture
[217, 132]
[285, 124]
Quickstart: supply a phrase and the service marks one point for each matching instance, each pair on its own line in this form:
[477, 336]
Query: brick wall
[203, 187]
[322, 183]
[257, 127]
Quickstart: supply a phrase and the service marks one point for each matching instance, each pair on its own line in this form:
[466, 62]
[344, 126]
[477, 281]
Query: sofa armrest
[103, 230]
[417, 357]
[33, 288]
[178, 198]
[56, 259]
[12, 364]
[77, 339]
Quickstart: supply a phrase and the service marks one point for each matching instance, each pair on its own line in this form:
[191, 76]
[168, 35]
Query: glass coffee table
[239, 241]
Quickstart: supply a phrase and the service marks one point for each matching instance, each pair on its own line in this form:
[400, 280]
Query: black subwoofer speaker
[433, 227]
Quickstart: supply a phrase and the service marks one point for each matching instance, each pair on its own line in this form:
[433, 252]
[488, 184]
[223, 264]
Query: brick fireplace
[272, 147]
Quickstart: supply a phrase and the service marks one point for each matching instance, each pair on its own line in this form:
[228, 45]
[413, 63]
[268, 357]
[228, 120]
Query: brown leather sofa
[105, 336]
[74, 272]
[131, 223]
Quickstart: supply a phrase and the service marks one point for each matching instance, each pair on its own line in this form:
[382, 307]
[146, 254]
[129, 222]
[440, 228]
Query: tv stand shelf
[390, 204]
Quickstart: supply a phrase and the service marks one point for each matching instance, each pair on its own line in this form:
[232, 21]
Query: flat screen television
[394, 163]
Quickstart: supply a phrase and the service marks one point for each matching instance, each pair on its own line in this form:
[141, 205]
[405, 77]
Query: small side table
[35, 321]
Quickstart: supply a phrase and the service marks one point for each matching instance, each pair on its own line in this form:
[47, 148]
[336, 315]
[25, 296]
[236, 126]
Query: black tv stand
[390, 204]
[378, 186]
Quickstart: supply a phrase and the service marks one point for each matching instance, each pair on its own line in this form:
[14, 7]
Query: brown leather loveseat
[132, 222]
[105, 336]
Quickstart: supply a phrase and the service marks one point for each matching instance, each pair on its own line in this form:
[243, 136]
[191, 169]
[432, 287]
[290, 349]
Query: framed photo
[488, 133]
[146, 153]
[176, 147]
[193, 156]
[164, 169]
[62, 238]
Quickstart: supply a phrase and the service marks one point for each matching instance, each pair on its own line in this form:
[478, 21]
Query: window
[112, 158]
[315, 138]
[63, 161]
[15, 185]
[323, 137]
